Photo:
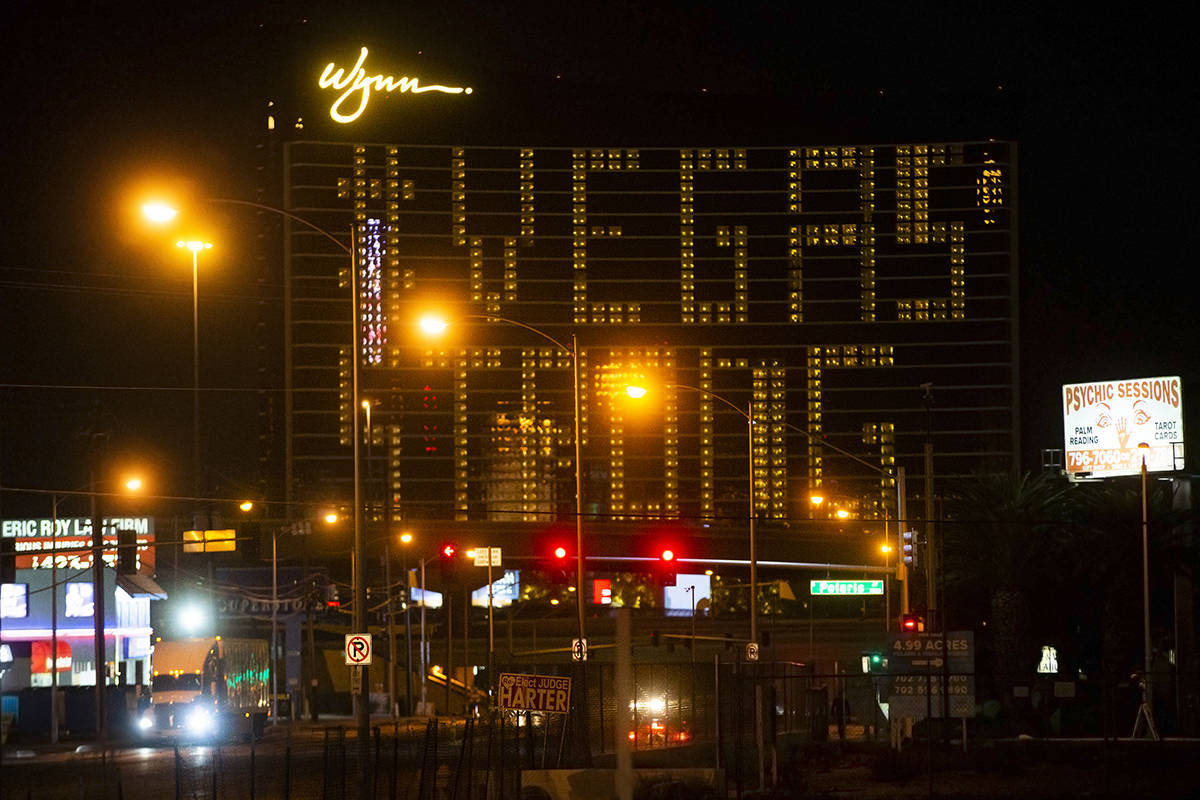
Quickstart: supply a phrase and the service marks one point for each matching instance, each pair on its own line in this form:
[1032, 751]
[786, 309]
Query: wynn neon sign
[356, 82]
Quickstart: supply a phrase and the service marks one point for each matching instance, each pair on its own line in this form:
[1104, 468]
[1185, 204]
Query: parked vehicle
[209, 688]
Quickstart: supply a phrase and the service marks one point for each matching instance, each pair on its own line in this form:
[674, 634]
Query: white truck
[209, 688]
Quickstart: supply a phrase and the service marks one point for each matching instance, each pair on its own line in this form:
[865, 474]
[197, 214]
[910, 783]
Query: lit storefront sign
[357, 83]
[72, 538]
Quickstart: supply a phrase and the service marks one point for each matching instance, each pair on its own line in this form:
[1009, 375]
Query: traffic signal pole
[902, 522]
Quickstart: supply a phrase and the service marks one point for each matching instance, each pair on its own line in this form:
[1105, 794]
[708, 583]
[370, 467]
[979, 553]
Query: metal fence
[707, 711]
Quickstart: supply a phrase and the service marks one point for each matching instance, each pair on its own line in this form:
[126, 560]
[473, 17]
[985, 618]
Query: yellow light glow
[433, 325]
[553, 601]
[471, 554]
[842, 513]
[816, 499]
[331, 517]
[194, 245]
[406, 537]
[133, 484]
[356, 82]
[159, 212]
[885, 548]
[246, 505]
[636, 392]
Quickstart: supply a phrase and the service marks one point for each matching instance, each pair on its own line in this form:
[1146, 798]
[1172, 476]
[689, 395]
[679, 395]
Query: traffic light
[448, 556]
[908, 548]
[911, 623]
[873, 661]
[558, 565]
[127, 556]
[8, 560]
[666, 559]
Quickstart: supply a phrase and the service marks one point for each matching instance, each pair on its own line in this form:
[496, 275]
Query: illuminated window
[80, 599]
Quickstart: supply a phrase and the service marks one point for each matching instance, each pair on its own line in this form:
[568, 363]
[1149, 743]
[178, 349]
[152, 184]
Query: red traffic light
[667, 554]
[448, 550]
[560, 552]
[910, 623]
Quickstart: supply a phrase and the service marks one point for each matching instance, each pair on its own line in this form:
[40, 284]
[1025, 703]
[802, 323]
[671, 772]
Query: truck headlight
[201, 721]
[145, 723]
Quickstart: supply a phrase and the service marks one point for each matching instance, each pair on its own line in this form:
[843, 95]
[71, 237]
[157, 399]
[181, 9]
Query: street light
[195, 246]
[162, 212]
[638, 392]
[406, 539]
[158, 212]
[434, 325]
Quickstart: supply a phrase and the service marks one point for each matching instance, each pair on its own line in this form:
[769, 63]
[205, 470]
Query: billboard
[39, 543]
[1109, 426]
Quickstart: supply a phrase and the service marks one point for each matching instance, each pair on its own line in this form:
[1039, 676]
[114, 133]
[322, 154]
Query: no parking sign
[358, 649]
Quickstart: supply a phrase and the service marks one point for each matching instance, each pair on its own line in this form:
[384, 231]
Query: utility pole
[932, 567]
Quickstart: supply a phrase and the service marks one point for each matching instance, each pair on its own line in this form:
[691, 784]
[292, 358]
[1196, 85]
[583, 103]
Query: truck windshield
[175, 683]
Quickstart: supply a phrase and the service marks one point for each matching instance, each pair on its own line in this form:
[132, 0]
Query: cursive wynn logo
[357, 82]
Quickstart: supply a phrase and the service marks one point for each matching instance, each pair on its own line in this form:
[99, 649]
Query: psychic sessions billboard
[1109, 426]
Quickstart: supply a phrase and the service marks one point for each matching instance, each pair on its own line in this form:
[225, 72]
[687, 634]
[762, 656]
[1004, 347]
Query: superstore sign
[1106, 422]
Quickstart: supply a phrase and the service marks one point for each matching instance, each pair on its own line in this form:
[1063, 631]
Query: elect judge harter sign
[1105, 424]
[545, 693]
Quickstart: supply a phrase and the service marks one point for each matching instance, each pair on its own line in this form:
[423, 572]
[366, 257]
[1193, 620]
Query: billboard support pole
[1144, 722]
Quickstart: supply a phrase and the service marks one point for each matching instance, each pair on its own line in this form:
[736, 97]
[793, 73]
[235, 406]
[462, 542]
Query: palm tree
[999, 534]
[1105, 551]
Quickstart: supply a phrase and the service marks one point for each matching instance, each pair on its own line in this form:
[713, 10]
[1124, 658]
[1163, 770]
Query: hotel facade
[855, 300]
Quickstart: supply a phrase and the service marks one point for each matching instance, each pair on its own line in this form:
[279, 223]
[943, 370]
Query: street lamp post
[362, 710]
[195, 246]
[160, 212]
[405, 539]
[638, 392]
[435, 325]
[748, 415]
[54, 619]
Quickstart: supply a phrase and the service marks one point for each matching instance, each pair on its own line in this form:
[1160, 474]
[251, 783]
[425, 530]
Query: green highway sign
[845, 587]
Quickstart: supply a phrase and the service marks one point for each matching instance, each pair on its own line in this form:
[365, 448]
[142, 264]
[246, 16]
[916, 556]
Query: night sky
[101, 97]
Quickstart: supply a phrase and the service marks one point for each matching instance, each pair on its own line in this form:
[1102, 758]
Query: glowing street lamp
[435, 325]
[161, 211]
[638, 392]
